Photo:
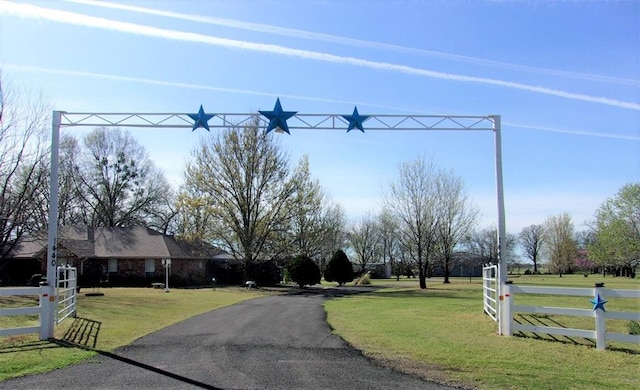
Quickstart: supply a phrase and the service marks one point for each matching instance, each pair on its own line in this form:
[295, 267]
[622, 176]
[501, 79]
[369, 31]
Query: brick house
[122, 256]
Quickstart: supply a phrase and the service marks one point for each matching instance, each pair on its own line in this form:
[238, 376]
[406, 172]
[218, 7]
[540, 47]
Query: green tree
[560, 243]
[339, 269]
[247, 176]
[617, 231]
[303, 271]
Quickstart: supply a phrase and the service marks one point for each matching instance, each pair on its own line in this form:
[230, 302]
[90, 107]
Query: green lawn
[442, 333]
[125, 314]
[439, 333]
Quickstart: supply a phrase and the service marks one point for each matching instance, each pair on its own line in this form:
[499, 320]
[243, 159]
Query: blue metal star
[598, 303]
[355, 120]
[201, 119]
[278, 118]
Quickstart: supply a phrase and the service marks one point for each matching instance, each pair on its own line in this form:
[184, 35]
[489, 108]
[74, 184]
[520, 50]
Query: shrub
[634, 327]
[339, 269]
[303, 271]
[364, 279]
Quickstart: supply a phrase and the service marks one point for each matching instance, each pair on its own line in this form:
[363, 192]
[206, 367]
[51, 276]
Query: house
[120, 256]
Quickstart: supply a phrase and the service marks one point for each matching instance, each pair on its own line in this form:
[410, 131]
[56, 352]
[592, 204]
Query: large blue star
[598, 303]
[355, 120]
[201, 119]
[278, 118]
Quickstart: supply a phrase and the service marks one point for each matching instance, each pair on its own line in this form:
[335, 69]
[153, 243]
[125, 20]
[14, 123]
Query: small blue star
[355, 120]
[278, 118]
[598, 303]
[201, 119]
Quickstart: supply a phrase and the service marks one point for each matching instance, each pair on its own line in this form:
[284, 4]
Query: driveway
[275, 342]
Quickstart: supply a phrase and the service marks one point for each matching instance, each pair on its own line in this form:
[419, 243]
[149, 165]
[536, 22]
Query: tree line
[242, 193]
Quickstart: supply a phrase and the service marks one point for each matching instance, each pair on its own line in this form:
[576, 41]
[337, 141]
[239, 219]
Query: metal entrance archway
[278, 120]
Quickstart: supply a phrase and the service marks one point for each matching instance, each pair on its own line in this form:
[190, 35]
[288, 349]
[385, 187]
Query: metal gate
[67, 293]
[490, 291]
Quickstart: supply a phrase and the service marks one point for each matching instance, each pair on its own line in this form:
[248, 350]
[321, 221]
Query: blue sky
[563, 75]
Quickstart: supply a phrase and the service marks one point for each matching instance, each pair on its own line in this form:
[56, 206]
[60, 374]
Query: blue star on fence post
[598, 303]
[200, 119]
[355, 120]
[278, 117]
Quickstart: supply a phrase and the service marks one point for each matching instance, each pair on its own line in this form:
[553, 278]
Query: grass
[441, 333]
[124, 315]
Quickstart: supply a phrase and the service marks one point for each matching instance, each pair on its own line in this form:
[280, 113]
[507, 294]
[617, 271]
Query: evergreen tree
[339, 269]
[304, 271]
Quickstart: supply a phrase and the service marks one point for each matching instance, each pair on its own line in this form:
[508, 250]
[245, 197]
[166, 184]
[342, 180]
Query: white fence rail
[599, 293]
[490, 290]
[21, 311]
[65, 302]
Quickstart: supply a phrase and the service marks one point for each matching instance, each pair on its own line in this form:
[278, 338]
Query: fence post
[507, 302]
[601, 326]
[45, 320]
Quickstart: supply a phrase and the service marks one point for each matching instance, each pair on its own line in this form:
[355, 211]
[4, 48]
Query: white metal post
[502, 231]
[52, 262]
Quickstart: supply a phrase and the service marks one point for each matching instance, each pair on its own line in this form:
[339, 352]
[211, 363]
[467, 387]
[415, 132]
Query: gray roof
[136, 242]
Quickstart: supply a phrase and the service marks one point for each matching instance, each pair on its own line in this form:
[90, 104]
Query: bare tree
[532, 241]
[334, 222]
[413, 199]
[23, 165]
[247, 175]
[389, 240]
[116, 181]
[483, 244]
[365, 241]
[560, 242]
[457, 216]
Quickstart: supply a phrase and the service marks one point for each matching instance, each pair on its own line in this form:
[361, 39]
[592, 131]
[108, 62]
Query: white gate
[490, 291]
[67, 293]
[66, 298]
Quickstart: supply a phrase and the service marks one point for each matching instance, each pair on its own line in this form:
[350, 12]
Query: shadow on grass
[430, 292]
[83, 331]
[29, 346]
[184, 379]
[544, 320]
[345, 291]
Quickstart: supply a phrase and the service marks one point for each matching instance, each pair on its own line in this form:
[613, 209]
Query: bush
[634, 327]
[303, 271]
[339, 269]
[364, 279]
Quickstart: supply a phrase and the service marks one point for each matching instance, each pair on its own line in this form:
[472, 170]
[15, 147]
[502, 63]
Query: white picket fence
[65, 301]
[600, 316]
[490, 289]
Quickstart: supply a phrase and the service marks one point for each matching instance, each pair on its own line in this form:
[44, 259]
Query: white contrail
[309, 35]
[574, 132]
[174, 84]
[31, 11]
[104, 76]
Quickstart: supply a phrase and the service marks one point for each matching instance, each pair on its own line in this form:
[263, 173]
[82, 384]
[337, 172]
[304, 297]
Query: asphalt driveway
[275, 342]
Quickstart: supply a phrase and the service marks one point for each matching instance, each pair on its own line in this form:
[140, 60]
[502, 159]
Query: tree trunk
[422, 278]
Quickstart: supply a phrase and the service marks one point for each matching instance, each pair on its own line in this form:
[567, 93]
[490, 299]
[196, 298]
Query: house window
[113, 265]
[150, 267]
